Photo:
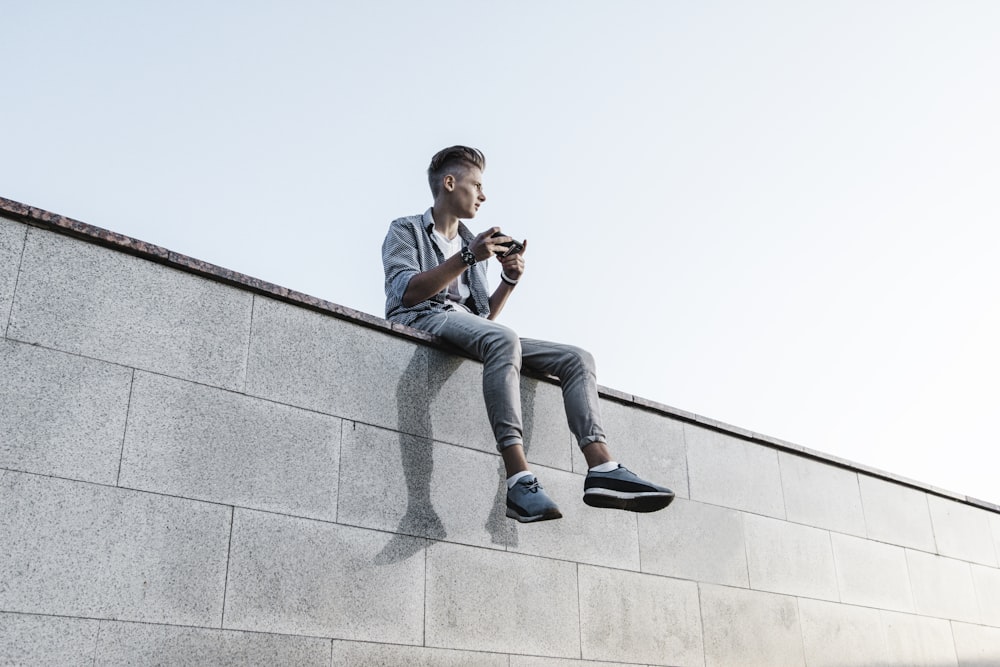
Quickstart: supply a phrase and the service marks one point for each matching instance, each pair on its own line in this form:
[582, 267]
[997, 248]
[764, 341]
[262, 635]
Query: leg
[514, 460]
[499, 348]
[577, 375]
[596, 453]
[616, 487]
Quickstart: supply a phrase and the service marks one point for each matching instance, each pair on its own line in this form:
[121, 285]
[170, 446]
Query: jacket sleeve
[401, 261]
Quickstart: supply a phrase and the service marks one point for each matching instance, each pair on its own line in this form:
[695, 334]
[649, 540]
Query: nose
[482, 196]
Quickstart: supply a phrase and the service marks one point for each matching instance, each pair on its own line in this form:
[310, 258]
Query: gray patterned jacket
[408, 249]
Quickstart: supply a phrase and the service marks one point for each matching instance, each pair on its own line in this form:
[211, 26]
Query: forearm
[499, 298]
[511, 272]
[426, 284]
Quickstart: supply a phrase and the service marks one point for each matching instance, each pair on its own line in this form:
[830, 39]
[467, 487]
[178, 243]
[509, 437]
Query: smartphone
[513, 247]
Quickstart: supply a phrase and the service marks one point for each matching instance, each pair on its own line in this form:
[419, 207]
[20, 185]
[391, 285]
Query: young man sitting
[435, 280]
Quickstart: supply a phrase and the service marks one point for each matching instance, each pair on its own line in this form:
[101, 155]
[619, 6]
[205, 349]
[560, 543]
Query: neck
[444, 221]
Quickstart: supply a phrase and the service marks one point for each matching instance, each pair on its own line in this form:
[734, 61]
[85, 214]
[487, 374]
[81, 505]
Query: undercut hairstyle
[452, 161]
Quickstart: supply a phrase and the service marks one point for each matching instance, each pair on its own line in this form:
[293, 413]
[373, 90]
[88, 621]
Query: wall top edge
[90, 233]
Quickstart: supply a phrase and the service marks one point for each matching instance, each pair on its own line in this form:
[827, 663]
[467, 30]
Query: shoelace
[532, 486]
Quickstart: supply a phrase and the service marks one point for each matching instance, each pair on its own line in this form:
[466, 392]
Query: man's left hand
[513, 266]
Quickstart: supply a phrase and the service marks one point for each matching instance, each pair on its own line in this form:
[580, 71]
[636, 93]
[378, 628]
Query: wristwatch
[468, 257]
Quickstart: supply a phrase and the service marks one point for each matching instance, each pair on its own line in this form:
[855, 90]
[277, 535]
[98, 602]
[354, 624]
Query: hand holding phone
[512, 247]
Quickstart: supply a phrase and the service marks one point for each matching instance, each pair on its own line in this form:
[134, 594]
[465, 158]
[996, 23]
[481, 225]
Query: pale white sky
[781, 215]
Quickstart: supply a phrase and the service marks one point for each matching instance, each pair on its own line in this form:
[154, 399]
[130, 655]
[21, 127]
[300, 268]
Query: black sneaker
[527, 502]
[622, 489]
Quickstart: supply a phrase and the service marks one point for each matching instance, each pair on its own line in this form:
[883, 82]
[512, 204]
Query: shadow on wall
[416, 449]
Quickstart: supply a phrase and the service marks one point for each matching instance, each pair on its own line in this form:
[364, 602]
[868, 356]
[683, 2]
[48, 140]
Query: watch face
[468, 257]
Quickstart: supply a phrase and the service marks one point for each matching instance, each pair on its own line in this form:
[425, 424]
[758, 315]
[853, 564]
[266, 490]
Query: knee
[583, 360]
[502, 343]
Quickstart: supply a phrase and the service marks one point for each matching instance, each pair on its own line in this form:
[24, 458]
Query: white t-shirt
[458, 291]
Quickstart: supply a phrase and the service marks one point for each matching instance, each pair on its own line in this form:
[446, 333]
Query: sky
[782, 215]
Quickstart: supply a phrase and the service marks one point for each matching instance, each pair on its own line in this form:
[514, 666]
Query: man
[435, 280]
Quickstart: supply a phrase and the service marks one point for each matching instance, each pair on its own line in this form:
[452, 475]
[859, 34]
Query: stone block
[12, 236]
[315, 361]
[299, 576]
[896, 514]
[976, 645]
[727, 471]
[584, 534]
[455, 406]
[356, 654]
[476, 600]
[650, 444]
[838, 634]
[639, 618]
[691, 540]
[191, 440]
[547, 438]
[47, 640]
[78, 549]
[145, 644]
[413, 486]
[790, 558]
[534, 661]
[987, 583]
[63, 415]
[872, 574]
[942, 587]
[995, 529]
[404, 484]
[918, 641]
[750, 628]
[81, 298]
[453, 402]
[821, 495]
[962, 531]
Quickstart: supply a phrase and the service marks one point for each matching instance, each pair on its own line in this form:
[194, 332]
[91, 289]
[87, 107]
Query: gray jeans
[503, 353]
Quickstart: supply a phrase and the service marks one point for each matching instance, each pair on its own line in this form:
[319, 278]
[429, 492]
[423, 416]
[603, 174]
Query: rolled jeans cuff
[508, 442]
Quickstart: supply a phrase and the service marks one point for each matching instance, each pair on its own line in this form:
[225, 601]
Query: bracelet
[509, 281]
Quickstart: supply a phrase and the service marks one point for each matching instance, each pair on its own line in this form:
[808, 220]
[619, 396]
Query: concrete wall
[204, 471]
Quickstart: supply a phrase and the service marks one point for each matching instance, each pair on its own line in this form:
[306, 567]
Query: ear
[448, 182]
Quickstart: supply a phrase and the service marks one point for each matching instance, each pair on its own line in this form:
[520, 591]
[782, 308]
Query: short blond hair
[450, 160]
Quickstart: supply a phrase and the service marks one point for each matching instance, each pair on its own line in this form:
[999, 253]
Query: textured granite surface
[212, 512]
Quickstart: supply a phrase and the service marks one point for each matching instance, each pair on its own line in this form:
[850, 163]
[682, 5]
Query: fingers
[513, 266]
[484, 244]
[488, 233]
[498, 237]
[492, 241]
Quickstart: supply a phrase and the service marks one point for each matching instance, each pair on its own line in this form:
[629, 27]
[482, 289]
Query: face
[466, 191]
